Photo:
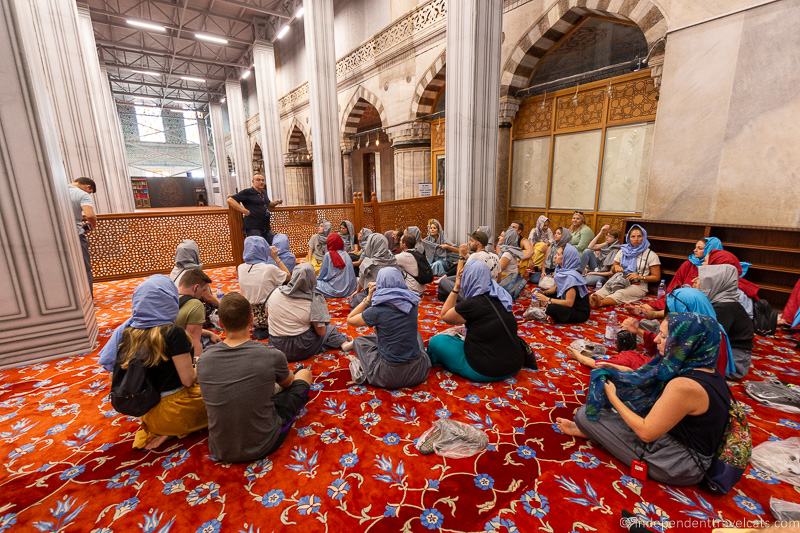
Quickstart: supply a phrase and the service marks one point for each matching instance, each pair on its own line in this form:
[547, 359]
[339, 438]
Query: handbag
[530, 358]
[617, 282]
[546, 282]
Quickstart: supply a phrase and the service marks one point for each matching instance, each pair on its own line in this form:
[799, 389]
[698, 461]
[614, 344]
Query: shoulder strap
[184, 299]
[500, 317]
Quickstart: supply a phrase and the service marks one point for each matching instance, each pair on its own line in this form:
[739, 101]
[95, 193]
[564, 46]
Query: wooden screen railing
[142, 243]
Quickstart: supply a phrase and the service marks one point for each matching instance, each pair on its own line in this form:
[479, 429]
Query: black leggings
[562, 314]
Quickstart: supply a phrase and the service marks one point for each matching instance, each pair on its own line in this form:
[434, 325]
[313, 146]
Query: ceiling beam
[153, 97]
[263, 11]
[162, 86]
[201, 11]
[128, 48]
[162, 72]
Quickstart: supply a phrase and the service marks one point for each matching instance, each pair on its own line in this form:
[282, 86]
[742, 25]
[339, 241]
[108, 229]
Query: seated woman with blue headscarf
[258, 278]
[394, 356]
[151, 335]
[635, 265]
[281, 242]
[337, 278]
[671, 413]
[489, 349]
[571, 305]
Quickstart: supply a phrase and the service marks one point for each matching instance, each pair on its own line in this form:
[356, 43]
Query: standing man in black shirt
[254, 204]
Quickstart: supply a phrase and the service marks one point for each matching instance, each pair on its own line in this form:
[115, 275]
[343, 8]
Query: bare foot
[594, 300]
[155, 442]
[569, 427]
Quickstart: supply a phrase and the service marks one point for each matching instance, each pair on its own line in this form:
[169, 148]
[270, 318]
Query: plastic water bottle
[662, 289]
[612, 327]
[220, 294]
[598, 285]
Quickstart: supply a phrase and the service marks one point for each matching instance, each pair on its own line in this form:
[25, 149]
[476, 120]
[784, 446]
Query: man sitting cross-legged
[247, 420]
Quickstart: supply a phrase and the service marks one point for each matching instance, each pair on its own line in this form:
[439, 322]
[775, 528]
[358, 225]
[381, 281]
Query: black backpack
[132, 392]
[424, 272]
[765, 318]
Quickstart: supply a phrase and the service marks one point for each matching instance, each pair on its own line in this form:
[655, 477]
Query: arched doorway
[430, 107]
[369, 165]
[258, 160]
[582, 136]
[298, 168]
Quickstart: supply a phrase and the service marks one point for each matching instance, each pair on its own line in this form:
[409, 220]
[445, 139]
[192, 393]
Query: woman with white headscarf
[721, 284]
[394, 356]
[375, 257]
[299, 321]
[510, 255]
[540, 237]
[317, 245]
[489, 349]
[439, 251]
[258, 278]
[187, 255]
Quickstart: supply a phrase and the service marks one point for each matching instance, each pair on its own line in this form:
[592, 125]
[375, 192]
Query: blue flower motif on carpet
[535, 504]
[484, 481]
[431, 519]
[273, 498]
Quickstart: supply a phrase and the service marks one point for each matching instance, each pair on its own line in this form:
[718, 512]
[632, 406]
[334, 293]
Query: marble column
[241, 146]
[299, 179]
[117, 140]
[47, 309]
[269, 117]
[205, 157]
[75, 96]
[318, 23]
[473, 87]
[347, 168]
[226, 188]
[412, 158]
[116, 187]
[509, 105]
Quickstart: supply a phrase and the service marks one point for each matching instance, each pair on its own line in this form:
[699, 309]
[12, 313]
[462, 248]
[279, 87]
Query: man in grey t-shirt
[85, 217]
[246, 419]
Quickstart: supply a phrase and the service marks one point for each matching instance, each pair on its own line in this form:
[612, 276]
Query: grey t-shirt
[237, 385]
[396, 331]
[78, 198]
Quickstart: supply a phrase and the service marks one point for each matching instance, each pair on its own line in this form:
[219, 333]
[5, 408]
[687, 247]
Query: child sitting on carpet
[246, 421]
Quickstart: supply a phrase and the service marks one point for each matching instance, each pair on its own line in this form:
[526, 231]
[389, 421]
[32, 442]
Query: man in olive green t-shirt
[192, 287]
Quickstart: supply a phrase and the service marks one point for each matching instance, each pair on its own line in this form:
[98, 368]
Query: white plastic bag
[455, 440]
[784, 511]
[780, 458]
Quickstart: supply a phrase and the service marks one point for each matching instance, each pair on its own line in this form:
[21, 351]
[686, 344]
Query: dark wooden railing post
[358, 211]
[376, 211]
[237, 235]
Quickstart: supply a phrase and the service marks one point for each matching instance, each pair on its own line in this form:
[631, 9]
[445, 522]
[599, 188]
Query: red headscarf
[334, 244]
[724, 257]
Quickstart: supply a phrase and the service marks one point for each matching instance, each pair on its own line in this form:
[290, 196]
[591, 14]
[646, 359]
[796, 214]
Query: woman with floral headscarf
[670, 413]
[299, 321]
[635, 265]
[151, 335]
[394, 356]
[336, 277]
[317, 245]
[489, 348]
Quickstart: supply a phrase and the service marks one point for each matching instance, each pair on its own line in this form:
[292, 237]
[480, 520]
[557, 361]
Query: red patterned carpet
[350, 463]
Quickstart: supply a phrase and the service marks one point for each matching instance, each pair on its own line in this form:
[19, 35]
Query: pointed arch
[559, 20]
[293, 139]
[428, 87]
[356, 107]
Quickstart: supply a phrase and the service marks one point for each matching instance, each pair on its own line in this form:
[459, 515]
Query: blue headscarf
[631, 253]
[567, 275]
[391, 289]
[689, 300]
[712, 243]
[476, 279]
[256, 250]
[155, 303]
[693, 342]
[796, 321]
[281, 242]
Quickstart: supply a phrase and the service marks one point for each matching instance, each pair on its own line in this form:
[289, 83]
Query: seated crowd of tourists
[660, 398]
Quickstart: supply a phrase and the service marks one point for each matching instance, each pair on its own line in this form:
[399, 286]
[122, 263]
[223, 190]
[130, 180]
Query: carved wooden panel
[615, 221]
[563, 220]
[300, 222]
[635, 99]
[526, 217]
[438, 134]
[533, 118]
[400, 214]
[127, 245]
[585, 111]
[368, 218]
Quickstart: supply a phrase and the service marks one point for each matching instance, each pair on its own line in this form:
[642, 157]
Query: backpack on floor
[132, 392]
[765, 318]
[733, 456]
[424, 272]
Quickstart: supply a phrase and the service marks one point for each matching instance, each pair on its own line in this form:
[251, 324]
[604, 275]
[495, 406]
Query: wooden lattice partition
[138, 244]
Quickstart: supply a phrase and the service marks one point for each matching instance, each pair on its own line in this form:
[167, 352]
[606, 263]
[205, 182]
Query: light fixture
[146, 72]
[190, 78]
[222, 100]
[367, 140]
[210, 38]
[299, 13]
[378, 142]
[145, 25]
[245, 74]
[282, 32]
